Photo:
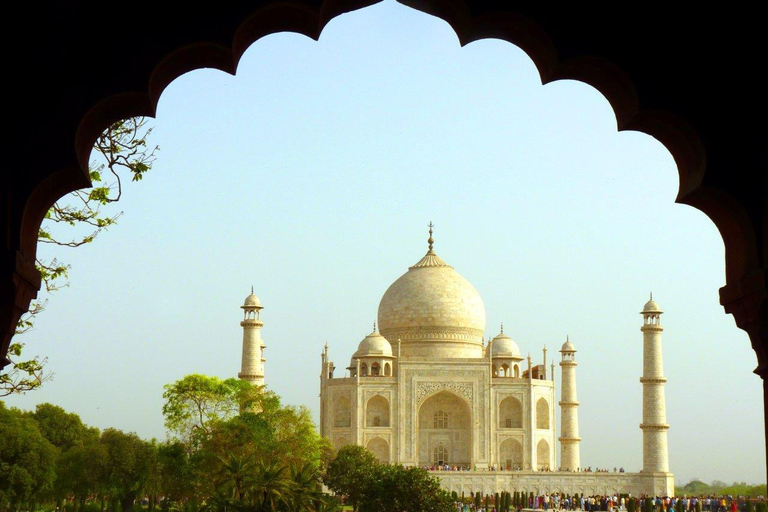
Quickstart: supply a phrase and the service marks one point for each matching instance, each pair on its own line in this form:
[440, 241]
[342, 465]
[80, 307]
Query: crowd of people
[453, 467]
[560, 502]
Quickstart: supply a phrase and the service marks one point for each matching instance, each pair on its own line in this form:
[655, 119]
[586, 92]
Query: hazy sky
[312, 175]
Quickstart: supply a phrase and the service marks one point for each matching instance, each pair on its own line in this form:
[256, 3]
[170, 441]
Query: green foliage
[241, 447]
[196, 403]
[394, 488]
[81, 470]
[744, 489]
[350, 472]
[129, 463]
[62, 429]
[23, 376]
[719, 488]
[761, 506]
[26, 460]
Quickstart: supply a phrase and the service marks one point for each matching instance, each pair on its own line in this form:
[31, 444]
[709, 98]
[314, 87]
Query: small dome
[568, 347]
[504, 346]
[373, 345]
[651, 307]
[252, 301]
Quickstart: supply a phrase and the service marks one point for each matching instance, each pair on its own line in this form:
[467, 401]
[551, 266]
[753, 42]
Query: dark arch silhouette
[687, 76]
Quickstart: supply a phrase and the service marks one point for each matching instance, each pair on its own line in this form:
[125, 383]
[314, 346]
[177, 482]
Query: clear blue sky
[312, 175]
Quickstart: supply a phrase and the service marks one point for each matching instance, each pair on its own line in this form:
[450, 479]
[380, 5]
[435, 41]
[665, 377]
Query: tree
[79, 457]
[349, 473]
[62, 429]
[80, 472]
[196, 402]
[129, 463]
[394, 488]
[245, 450]
[121, 149]
[174, 473]
[26, 461]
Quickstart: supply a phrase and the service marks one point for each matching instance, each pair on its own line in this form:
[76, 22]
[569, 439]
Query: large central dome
[433, 311]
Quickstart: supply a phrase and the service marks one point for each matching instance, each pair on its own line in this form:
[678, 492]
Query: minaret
[654, 426]
[569, 410]
[252, 367]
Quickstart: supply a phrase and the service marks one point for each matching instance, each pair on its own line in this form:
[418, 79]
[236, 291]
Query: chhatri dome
[651, 306]
[373, 345]
[252, 301]
[433, 311]
[504, 346]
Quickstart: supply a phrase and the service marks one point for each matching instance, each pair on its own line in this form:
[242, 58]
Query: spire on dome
[431, 259]
[502, 327]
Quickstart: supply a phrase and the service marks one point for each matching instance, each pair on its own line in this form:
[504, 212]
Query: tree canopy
[373, 487]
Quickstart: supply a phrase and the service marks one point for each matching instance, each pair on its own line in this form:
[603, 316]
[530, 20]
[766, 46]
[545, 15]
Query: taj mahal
[425, 389]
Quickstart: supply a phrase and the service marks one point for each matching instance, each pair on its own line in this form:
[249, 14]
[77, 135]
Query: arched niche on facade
[542, 414]
[340, 442]
[511, 454]
[445, 418]
[542, 454]
[379, 448]
[377, 412]
[342, 412]
[511, 413]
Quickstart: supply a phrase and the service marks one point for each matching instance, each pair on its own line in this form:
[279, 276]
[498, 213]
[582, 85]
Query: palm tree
[270, 487]
[306, 492]
[239, 472]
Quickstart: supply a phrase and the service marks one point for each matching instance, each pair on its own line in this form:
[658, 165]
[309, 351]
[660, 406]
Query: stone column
[252, 364]
[654, 426]
[569, 410]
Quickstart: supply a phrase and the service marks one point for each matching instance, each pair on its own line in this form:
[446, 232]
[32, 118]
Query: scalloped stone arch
[674, 133]
[703, 152]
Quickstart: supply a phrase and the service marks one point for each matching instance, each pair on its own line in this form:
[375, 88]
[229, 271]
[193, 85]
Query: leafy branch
[120, 150]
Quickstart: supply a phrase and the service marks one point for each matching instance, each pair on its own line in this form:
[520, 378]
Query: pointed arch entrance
[444, 434]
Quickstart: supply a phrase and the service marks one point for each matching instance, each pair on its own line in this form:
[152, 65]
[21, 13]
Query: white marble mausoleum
[424, 389]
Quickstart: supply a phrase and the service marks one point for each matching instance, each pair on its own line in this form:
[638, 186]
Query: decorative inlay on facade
[383, 435]
[432, 333]
[654, 427]
[424, 389]
[370, 393]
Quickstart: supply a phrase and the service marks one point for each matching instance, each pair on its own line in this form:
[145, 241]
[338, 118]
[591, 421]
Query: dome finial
[502, 327]
[651, 295]
[374, 326]
[251, 289]
[430, 240]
